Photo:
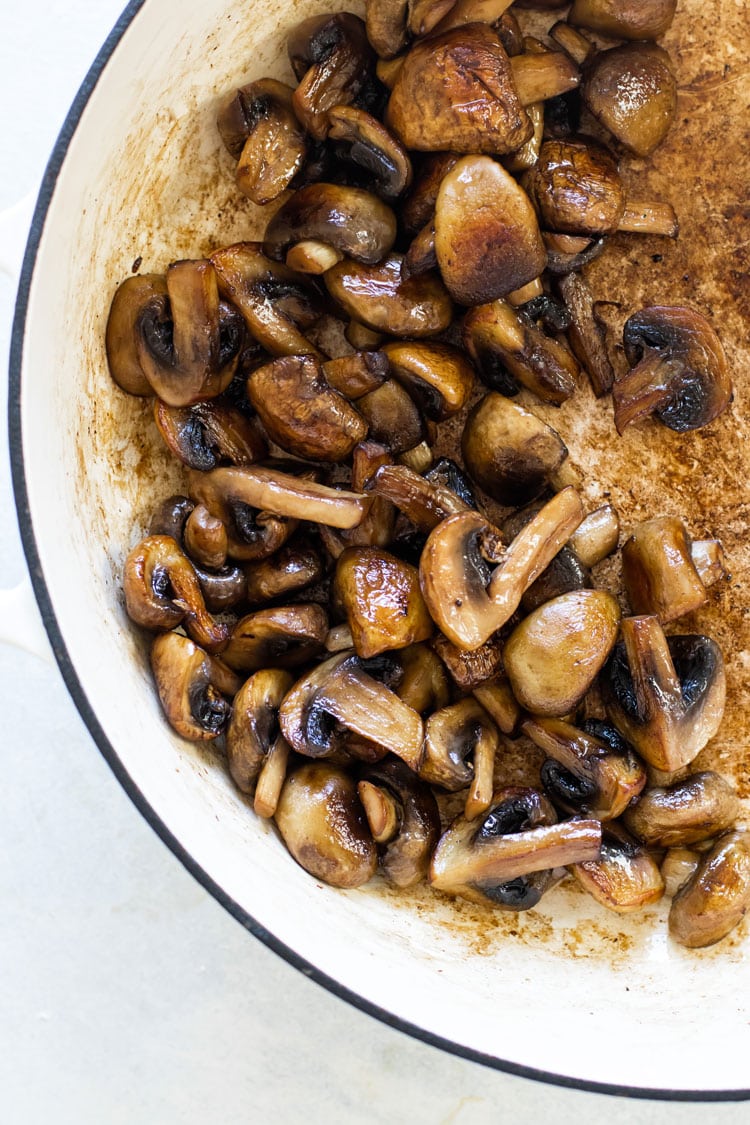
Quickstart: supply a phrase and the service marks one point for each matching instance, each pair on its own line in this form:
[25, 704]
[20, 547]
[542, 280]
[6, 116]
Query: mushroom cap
[576, 187]
[438, 376]
[625, 878]
[131, 297]
[192, 686]
[259, 129]
[716, 897]
[658, 570]
[386, 26]
[297, 565]
[355, 222]
[393, 418]
[451, 735]
[283, 637]
[254, 724]
[700, 806]
[632, 91]
[632, 19]
[487, 237]
[373, 148]
[405, 857]
[202, 435]
[454, 578]
[381, 298]
[382, 600]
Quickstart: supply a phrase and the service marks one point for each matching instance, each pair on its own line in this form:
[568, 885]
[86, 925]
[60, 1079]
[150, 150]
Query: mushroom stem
[271, 778]
[312, 256]
[479, 797]
[708, 560]
[381, 811]
[526, 293]
[572, 42]
[540, 77]
[339, 639]
[644, 389]
[282, 494]
[596, 536]
[426, 504]
[418, 459]
[649, 218]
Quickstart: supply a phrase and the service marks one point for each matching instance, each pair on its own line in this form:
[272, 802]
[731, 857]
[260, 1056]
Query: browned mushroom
[677, 867]
[393, 418]
[192, 687]
[306, 727]
[679, 370]
[259, 129]
[381, 298]
[425, 15]
[382, 601]
[293, 568]
[162, 592]
[284, 637]
[423, 501]
[322, 823]
[666, 694]
[358, 374]
[632, 91]
[701, 806]
[254, 725]
[473, 11]
[586, 334]
[385, 21]
[470, 667]
[205, 538]
[659, 571]
[131, 297]
[625, 878]
[356, 223]
[438, 376]
[565, 573]
[403, 817]
[497, 698]
[596, 536]
[716, 897]
[624, 21]
[417, 208]
[371, 147]
[424, 685]
[207, 433]
[555, 654]
[451, 736]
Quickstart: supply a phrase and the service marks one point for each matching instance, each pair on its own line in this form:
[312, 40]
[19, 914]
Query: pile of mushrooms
[365, 628]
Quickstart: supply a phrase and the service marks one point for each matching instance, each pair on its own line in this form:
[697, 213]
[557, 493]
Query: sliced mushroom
[451, 736]
[542, 75]
[677, 867]
[306, 727]
[467, 600]
[169, 518]
[276, 303]
[259, 129]
[586, 334]
[624, 21]
[578, 46]
[203, 435]
[438, 376]
[425, 15]
[470, 667]
[205, 538]
[447, 474]
[510, 452]
[567, 253]
[192, 686]
[417, 208]
[679, 370]
[370, 146]
[162, 591]
[555, 654]
[131, 297]
[293, 568]
[393, 418]
[507, 347]
[708, 559]
[386, 26]
[284, 637]
[699, 807]
[354, 222]
[596, 536]
[188, 341]
[254, 725]
[505, 856]
[632, 91]
[473, 11]
[322, 823]
[423, 501]
[716, 897]
[361, 337]
[223, 589]
[659, 571]
[589, 770]
[382, 601]
[403, 817]
[424, 685]
[381, 298]
[625, 878]
[358, 374]
[666, 694]
[498, 700]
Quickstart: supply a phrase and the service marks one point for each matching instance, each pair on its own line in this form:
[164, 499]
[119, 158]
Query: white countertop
[127, 994]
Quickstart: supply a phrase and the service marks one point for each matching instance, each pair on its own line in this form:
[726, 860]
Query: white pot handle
[20, 620]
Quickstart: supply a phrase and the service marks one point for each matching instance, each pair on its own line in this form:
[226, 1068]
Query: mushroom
[417, 208]
[666, 694]
[202, 435]
[361, 337]
[575, 187]
[192, 686]
[625, 877]
[510, 452]
[378, 526]
[162, 591]
[371, 147]
[586, 334]
[301, 413]
[567, 253]
[382, 601]
[424, 502]
[506, 346]
[555, 654]
[505, 857]
[424, 685]
[596, 536]
[437, 376]
[322, 823]
[358, 374]
[254, 725]
[403, 817]
[566, 572]
[205, 538]
[131, 297]
[306, 727]
[692, 810]
[392, 417]
[276, 303]
[659, 571]
[589, 770]
[421, 257]
[716, 897]
[677, 867]
[169, 518]
[447, 474]
[385, 21]
[473, 11]
[632, 92]
[382, 299]
[425, 15]
[470, 667]
[467, 600]
[451, 735]
[498, 700]
[296, 566]
[354, 222]
[335, 65]
[624, 21]
[188, 341]
[259, 129]
[678, 372]
[284, 637]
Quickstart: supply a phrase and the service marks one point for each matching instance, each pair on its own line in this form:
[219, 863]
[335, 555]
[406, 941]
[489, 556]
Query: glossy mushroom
[393, 418]
[647, 20]
[716, 897]
[385, 21]
[596, 536]
[358, 374]
[192, 686]
[452, 735]
[625, 878]
[468, 668]
[381, 599]
[424, 502]
[632, 91]
[659, 571]
[254, 725]
[132, 296]
[586, 334]
[437, 376]
[356, 223]
[292, 569]
[282, 637]
[403, 817]
[259, 129]
[372, 148]
[380, 297]
[424, 684]
[208, 433]
[205, 538]
[697, 808]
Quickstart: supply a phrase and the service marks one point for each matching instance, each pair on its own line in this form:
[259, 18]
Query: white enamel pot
[570, 995]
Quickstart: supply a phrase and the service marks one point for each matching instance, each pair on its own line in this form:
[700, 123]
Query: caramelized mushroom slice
[381, 298]
[473, 11]
[497, 698]
[625, 878]
[679, 370]
[702, 805]
[131, 297]
[259, 129]
[285, 637]
[506, 855]
[586, 334]
[385, 21]
[659, 571]
[301, 412]
[162, 591]
[254, 725]
[555, 654]
[677, 867]
[666, 694]
[422, 501]
[437, 376]
[192, 686]
[207, 433]
[424, 685]
[716, 897]
[403, 817]
[322, 823]
[188, 342]
[382, 601]
[205, 538]
[510, 452]
[356, 375]
[290, 570]
[370, 146]
[354, 222]
[392, 417]
[589, 770]
[624, 21]
[451, 736]
[507, 347]
[632, 92]
[306, 727]
[418, 206]
[470, 667]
